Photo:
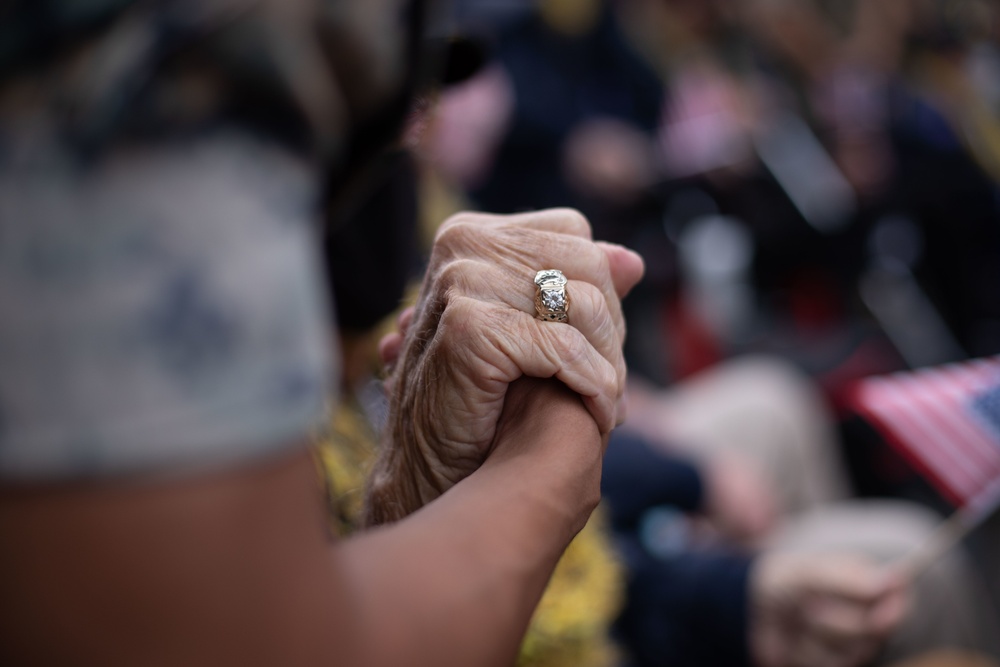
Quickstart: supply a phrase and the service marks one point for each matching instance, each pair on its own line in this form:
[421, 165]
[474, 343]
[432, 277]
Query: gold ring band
[551, 298]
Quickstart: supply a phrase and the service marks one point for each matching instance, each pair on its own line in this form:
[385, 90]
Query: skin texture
[235, 566]
[473, 332]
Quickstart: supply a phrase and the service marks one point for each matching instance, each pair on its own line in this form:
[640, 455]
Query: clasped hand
[473, 332]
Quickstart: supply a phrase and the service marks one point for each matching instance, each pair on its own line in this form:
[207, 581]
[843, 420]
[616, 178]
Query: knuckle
[576, 221]
[452, 277]
[459, 332]
[476, 278]
[473, 323]
[456, 220]
[457, 230]
[461, 314]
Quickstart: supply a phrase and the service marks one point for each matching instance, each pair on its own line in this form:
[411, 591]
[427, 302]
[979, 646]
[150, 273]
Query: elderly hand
[821, 610]
[474, 331]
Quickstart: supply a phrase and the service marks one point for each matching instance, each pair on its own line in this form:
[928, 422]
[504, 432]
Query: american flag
[945, 420]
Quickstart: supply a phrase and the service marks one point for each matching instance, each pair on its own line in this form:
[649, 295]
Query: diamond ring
[551, 299]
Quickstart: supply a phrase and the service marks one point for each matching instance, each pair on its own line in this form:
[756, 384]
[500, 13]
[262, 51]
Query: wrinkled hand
[821, 610]
[473, 331]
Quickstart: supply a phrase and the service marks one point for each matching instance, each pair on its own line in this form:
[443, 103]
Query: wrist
[551, 444]
[546, 438]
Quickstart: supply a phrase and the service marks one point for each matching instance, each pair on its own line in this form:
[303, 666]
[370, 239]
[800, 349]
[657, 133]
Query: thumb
[625, 265]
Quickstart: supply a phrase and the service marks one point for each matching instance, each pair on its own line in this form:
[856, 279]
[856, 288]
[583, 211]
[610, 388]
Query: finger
[521, 251]
[580, 261]
[599, 334]
[529, 242]
[557, 220]
[568, 356]
[510, 343]
[389, 348]
[626, 267]
[589, 314]
[587, 308]
[889, 611]
[522, 248]
[404, 320]
[563, 221]
[526, 242]
[391, 344]
[837, 621]
[851, 578]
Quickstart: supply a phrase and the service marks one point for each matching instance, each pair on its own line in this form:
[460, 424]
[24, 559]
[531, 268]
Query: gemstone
[553, 300]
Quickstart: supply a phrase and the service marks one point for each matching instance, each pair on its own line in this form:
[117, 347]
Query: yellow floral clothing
[570, 626]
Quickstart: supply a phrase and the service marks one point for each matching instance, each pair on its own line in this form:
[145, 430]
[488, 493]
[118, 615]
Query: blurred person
[847, 141]
[566, 112]
[573, 112]
[792, 570]
[891, 90]
[843, 58]
[166, 354]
